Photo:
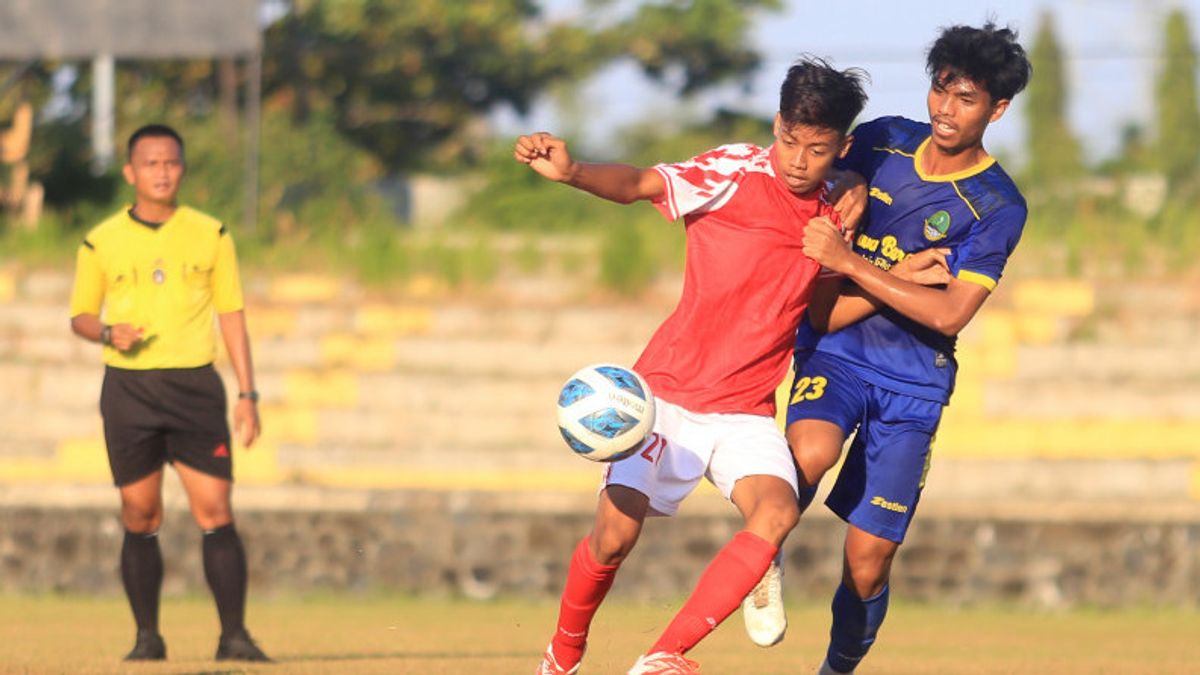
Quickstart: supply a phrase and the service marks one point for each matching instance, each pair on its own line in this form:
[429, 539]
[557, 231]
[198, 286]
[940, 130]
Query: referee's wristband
[106, 335]
[248, 395]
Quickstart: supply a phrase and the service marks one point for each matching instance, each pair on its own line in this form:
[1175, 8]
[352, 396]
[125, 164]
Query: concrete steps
[1062, 383]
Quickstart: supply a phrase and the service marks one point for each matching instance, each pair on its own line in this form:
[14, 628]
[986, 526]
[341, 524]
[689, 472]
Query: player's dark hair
[989, 56]
[152, 131]
[816, 94]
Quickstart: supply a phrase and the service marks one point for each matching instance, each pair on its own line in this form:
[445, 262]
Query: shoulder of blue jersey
[990, 191]
[894, 133]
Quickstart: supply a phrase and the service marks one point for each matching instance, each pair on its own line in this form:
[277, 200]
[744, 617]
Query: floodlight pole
[103, 112]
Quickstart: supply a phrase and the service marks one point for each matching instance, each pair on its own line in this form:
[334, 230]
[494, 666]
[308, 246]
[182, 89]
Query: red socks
[587, 583]
[726, 581]
[729, 577]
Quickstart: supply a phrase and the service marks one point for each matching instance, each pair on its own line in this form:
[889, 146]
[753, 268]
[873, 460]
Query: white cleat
[664, 663]
[762, 610]
[549, 665]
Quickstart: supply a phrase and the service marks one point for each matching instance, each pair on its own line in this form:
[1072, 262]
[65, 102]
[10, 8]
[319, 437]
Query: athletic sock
[855, 624]
[729, 577]
[142, 575]
[806, 496]
[225, 571]
[587, 583]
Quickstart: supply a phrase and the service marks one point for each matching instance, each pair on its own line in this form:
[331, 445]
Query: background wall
[409, 444]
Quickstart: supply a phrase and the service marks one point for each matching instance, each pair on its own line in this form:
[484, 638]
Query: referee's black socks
[142, 575]
[225, 570]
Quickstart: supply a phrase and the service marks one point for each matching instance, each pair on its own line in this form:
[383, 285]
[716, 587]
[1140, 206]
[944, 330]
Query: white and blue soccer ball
[605, 412]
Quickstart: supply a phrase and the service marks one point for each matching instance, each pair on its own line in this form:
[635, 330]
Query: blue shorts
[881, 479]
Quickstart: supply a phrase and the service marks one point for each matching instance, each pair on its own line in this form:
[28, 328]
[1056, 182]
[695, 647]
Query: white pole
[103, 112]
[253, 139]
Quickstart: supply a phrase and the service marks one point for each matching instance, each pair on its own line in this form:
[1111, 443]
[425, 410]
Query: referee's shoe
[148, 647]
[239, 647]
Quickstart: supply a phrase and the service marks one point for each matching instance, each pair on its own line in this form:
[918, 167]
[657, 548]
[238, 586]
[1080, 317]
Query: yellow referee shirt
[166, 279]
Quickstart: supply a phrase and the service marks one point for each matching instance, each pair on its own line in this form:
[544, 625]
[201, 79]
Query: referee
[160, 270]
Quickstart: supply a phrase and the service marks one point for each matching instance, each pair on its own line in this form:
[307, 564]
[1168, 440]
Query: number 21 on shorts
[808, 389]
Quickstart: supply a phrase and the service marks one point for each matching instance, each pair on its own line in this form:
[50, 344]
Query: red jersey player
[715, 363]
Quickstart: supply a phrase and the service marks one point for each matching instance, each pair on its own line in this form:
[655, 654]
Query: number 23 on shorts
[808, 389]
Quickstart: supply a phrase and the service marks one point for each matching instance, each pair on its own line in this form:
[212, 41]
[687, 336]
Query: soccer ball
[605, 412]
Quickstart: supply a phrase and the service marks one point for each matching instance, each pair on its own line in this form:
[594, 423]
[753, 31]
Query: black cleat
[239, 647]
[149, 647]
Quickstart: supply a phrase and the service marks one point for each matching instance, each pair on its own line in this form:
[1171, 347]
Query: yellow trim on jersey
[977, 278]
[167, 280]
[966, 201]
[928, 461]
[949, 177]
[894, 151]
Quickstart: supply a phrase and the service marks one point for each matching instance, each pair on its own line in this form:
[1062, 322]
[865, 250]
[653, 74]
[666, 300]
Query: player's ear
[778, 125]
[127, 172]
[998, 109]
[847, 141]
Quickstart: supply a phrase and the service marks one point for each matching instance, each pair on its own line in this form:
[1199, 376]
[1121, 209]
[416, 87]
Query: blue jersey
[977, 213]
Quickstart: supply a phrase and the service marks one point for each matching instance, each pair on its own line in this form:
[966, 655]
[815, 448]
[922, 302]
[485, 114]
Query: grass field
[374, 634]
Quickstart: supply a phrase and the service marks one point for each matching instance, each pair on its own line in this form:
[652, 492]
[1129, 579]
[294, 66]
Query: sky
[1111, 48]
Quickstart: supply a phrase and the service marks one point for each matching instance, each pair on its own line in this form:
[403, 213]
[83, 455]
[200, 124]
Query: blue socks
[807, 494]
[855, 623]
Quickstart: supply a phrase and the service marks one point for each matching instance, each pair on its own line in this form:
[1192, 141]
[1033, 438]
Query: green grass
[388, 634]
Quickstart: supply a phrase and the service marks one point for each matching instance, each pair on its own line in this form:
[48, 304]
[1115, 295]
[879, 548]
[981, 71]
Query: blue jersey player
[877, 361]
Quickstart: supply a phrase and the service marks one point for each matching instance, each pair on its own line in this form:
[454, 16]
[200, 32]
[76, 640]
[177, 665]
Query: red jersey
[727, 345]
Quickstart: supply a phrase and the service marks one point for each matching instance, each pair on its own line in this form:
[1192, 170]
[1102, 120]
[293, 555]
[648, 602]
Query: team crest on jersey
[937, 225]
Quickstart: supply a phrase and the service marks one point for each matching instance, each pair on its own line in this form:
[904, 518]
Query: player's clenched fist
[823, 243]
[546, 154]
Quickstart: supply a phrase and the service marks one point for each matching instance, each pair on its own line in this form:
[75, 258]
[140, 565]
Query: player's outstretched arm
[548, 156]
[945, 309]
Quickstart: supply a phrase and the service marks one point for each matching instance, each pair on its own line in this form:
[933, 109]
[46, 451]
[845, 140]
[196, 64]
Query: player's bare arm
[837, 302]
[237, 343]
[549, 157]
[944, 309]
[121, 336]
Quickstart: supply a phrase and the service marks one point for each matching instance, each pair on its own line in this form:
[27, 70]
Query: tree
[407, 80]
[1054, 154]
[1175, 97]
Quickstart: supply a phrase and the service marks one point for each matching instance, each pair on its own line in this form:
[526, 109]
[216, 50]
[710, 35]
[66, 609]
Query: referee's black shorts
[171, 414]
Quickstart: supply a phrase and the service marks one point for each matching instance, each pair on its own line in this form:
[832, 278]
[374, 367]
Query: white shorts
[686, 446]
